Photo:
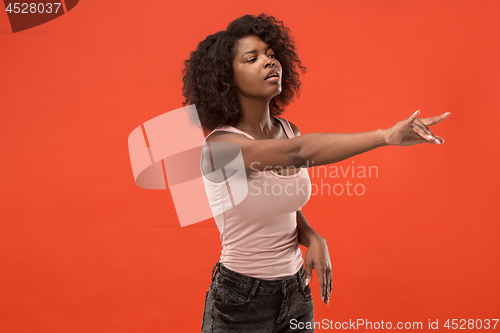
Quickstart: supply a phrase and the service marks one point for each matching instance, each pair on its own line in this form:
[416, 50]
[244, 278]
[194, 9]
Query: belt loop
[254, 288]
[213, 270]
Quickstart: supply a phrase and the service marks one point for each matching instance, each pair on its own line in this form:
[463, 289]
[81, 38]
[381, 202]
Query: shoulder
[225, 136]
[294, 128]
[214, 156]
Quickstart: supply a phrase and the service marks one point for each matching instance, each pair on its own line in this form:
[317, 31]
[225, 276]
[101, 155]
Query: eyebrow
[255, 51]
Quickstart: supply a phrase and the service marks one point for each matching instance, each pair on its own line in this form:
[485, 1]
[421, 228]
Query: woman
[240, 80]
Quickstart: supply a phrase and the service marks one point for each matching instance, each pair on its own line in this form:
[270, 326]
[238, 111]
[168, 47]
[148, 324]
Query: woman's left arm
[316, 257]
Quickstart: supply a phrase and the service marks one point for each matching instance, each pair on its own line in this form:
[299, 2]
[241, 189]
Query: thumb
[308, 275]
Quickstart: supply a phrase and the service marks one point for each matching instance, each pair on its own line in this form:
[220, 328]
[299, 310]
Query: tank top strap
[228, 128]
[286, 126]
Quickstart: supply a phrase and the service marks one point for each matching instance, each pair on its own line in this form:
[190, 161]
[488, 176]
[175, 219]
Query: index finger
[412, 117]
[435, 120]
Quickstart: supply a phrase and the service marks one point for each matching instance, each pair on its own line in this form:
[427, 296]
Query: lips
[273, 72]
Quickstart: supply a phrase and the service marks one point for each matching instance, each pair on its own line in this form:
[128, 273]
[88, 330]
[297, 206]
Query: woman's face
[252, 63]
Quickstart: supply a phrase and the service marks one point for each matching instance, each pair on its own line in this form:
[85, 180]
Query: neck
[255, 116]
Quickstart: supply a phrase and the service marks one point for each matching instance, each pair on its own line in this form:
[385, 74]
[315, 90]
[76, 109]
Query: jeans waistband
[291, 282]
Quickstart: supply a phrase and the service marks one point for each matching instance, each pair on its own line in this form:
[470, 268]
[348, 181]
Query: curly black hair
[207, 74]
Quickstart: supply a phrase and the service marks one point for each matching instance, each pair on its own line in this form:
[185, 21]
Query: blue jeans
[243, 304]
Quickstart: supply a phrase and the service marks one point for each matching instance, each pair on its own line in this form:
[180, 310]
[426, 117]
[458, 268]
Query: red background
[84, 249]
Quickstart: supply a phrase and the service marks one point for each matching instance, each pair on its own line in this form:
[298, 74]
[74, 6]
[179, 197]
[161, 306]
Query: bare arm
[306, 233]
[310, 149]
[314, 149]
[325, 148]
[317, 257]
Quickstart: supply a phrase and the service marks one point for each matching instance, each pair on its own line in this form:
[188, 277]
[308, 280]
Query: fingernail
[447, 113]
[438, 142]
[307, 282]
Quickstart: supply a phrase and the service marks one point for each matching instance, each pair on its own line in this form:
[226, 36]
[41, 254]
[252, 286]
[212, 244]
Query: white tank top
[259, 234]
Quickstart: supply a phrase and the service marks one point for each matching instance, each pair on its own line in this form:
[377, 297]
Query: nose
[271, 63]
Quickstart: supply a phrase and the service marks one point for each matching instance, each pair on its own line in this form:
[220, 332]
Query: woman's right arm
[325, 148]
[313, 149]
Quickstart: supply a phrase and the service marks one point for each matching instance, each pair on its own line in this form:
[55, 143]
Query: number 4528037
[27, 8]
[464, 324]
